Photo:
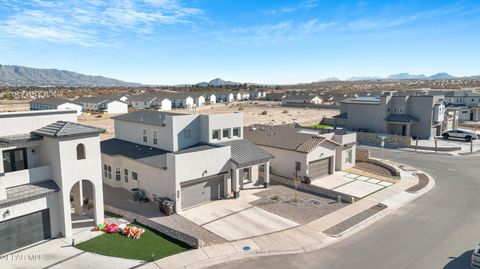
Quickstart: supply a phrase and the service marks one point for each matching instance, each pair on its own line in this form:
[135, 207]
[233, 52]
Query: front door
[404, 130]
[247, 176]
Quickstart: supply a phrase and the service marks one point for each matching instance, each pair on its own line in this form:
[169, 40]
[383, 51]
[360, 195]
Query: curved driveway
[438, 230]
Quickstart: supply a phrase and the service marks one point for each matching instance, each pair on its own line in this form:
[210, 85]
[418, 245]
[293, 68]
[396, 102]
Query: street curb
[320, 245]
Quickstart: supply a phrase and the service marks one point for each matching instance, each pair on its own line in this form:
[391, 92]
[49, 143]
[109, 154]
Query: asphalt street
[438, 230]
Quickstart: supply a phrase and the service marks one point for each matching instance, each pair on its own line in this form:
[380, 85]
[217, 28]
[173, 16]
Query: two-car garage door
[202, 190]
[25, 230]
[319, 168]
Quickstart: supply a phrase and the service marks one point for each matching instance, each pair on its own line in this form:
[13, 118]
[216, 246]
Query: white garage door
[201, 191]
[319, 168]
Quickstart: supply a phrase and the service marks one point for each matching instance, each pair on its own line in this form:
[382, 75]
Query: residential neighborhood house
[189, 158]
[55, 103]
[47, 160]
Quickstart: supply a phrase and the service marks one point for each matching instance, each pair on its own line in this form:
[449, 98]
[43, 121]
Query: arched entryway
[82, 204]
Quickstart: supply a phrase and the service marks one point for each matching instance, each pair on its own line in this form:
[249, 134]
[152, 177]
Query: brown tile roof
[284, 137]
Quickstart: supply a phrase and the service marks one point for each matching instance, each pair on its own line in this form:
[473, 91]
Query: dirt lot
[252, 115]
[252, 111]
[13, 105]
[275, 114]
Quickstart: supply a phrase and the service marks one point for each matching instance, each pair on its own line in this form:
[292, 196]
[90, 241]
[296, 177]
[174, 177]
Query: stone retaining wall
[373, 138]
[315, 190]
[132, 217]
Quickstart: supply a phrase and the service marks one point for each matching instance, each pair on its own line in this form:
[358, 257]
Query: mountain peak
[15, 75]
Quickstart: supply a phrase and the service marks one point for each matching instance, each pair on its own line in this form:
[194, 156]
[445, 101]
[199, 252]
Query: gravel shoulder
[354, 220]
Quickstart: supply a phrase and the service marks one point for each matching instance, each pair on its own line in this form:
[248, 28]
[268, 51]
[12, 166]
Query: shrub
[285, 111]
[264, 112]
[241, 108]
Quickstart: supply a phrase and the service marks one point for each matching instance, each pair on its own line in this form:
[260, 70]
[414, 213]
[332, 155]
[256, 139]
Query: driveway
[237, 219]
[351, 184]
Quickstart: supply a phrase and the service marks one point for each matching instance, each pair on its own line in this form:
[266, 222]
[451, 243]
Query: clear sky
[263, 41]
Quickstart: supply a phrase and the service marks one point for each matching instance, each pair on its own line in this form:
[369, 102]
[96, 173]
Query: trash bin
[166, 206]
[137, 194]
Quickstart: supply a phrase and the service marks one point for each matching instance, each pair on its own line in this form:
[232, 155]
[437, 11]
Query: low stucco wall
[390, 168]
[185, 238]
[362, 155]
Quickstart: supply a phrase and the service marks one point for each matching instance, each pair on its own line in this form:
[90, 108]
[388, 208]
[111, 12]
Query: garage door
[319, 168]
[201, 191]
[24, 230]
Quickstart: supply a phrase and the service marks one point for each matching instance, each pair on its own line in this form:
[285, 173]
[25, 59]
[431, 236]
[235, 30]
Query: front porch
[254, 176]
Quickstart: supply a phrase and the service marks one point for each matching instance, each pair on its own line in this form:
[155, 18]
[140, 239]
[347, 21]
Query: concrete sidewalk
[301, 239]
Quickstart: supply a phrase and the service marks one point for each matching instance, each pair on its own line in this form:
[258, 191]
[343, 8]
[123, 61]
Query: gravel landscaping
[279, 200]
[422, 183]
[352, 221]
[374, 169]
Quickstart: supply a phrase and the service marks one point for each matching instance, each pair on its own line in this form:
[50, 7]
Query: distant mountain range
[400, 76]
[218, 82]
[14, 75]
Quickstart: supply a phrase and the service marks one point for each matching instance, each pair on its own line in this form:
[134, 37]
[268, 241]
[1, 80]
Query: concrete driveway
[237, 219]
[351, 184]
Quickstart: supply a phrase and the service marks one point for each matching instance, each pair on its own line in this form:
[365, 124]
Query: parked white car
[476, 257]
[468, 135]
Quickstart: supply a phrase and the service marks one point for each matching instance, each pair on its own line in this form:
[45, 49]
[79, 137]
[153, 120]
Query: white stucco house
[211, 98]
[55, 103]
[189, 158]
[302, 99]
[183, 100]
[162, 103]
[105, 104]
[48, 159]
[143, 100]
[307, 154]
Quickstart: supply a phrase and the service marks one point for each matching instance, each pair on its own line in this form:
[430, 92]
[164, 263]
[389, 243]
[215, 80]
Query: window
[118, 176]
[134, 175]
[80, 152]
[15, 160]
[226, 133]
[216, 134]
[105, 170]
[187, 133]
[155, 138]
[400, 109]
[145, 138]
[388, 109]
[125, 174]
[394, 110]
[348, 156]
[236, 132]
[297, 166]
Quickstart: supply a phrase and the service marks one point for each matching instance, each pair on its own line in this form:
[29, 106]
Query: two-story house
[467, 102]
[419, 116]
[189, 158]
[47, 161]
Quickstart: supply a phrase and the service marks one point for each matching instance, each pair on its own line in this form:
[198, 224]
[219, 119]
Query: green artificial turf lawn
[321, 126]
[151, 245]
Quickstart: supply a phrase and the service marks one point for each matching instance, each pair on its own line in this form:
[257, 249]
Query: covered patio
[400, 124]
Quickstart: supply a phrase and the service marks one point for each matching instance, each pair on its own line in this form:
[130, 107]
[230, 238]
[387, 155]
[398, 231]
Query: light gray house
[47, 160]
[189, 158]
[107, 104]
[467, 102]
[304, 153]
[302, 99]
[408, 115]
[55, 103]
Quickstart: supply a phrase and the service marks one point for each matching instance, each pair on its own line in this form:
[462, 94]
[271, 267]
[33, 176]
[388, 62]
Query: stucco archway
[83, 204]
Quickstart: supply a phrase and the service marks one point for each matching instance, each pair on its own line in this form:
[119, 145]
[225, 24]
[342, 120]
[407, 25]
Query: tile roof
[147, 117]
[18, 139]
[401, 118]
[29, 191]
[310, 144]
[66, 128]
[245, 153]
[148, 155]
[285, 137]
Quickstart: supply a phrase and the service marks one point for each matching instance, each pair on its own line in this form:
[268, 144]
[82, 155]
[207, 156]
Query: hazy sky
[263, 41]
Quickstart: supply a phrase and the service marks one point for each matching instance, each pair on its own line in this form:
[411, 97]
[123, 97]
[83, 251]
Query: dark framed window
[125, 173]
[216, 135]
[15, 160]
[134, 175]
[236, 132]
[118, 176]
[81, 152]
